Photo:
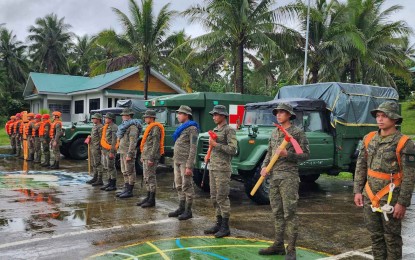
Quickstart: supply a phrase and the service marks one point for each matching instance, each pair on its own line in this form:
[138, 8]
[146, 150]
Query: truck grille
[205, 146]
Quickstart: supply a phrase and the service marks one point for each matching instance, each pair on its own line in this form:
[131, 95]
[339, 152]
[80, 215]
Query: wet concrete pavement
[47, 214]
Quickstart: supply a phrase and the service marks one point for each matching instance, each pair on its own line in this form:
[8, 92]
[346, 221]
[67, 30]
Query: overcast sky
[92, 16]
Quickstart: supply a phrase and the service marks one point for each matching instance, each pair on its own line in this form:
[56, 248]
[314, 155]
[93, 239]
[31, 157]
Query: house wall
[134, 82]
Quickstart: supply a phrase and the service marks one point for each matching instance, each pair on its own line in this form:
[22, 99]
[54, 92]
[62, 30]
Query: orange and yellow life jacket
[104, 142]
[53, 127]
[42, 128]
[146, 133]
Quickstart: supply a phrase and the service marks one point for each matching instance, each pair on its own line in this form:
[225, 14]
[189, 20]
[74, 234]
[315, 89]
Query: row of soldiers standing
[32, 136]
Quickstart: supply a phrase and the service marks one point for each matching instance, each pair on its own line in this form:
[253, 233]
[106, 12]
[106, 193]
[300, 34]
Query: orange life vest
[104, 142]
[396, 177]
[147, 131]
[35, 133]
[42, 127]
[52, 128]
[8, 127]
[16, 126]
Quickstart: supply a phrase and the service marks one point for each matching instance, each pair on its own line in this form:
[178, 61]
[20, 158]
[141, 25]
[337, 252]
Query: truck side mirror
[306, 122]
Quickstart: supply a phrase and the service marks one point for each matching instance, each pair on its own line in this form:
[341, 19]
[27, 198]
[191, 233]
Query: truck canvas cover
[349, 104]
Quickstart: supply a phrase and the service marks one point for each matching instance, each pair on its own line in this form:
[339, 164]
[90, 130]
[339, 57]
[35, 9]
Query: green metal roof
[64, 84]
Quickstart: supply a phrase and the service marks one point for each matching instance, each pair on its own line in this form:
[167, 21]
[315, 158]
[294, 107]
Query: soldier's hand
[111, 156]
[399, 212]
[150, 163]
[128, 158]
[206, 159]
[188, 172]
[212, 142]
[264, 172]
[283, 152]
[358, 199]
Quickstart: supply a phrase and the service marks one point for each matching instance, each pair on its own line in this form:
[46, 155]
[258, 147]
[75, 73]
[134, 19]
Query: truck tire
[197, 178]
[64, 151]
[310, 178]
[262, 195]
[79, 149]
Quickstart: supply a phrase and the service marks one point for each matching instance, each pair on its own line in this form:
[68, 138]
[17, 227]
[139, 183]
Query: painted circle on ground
[200, 248]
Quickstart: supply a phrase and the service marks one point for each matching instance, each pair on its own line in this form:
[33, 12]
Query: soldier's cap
[220, 110]
[38, 116]
[185, 110]
[150, 113]
[127, 112]
[110, 115]
[18, 115]
[285, 107]
[96, 116]
[46, 116]
[391, 109]
[13, 117]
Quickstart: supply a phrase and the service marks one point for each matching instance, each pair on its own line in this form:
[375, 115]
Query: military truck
[73, 145]
[334, 116]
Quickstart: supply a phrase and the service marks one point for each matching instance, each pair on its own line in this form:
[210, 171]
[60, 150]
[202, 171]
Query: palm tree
[236, 26]
[386, 44]
[143, 39]
[84, 53]
[51, 42]
[12, 60]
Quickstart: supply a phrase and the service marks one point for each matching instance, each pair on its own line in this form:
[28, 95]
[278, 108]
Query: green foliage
[408, 114]
[44, 111]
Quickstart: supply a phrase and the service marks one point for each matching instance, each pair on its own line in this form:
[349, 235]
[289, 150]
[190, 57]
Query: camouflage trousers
[18, 144]
[283, 196]
[219, 192]
[183, 183]
[45, 148]
[56, 151]
[12, 141]
[96, 161]
[128, 169]
[109, 165]
[37, 148]
[149, 175]
[385, 235]
[31, 145]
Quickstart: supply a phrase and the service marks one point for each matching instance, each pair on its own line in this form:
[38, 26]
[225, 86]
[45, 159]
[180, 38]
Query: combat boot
[144, 200]
[18, 152]
[151, 202]
[187, 214]
[215, 228]
[224, 229]
[291, 255]
[118, 193]
[30, 157]
[113, 185]
[106, 185]
[274, 249]
[55, 166]
[94, 179]
[178, 211]
[47, 161]
[98, 182]
[128, 193]
[52, 165]
[13, 151]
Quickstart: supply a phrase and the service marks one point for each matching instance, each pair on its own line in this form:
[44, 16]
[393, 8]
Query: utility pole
[306, 44]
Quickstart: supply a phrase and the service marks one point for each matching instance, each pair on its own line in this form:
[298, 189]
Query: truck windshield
[161, 114]
[259, 116]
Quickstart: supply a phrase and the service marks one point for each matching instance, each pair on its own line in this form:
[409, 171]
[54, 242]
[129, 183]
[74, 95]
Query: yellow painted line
[202, 247]
[158, 251]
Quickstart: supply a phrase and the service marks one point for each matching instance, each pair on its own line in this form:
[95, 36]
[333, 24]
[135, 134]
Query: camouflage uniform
[17, 137]
[57, 134]
[45, 140]
[109, 163]
[151, 152]
[37, 144]
[95, 150]
[380, 156]
[184, 157]
[31, 140]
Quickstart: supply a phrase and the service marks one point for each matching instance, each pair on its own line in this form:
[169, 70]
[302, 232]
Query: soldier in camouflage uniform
[16, 134]
[45, 139]
[128, 151]
[30, 138]
[284, 182]
[109, 150]
[55, 134]
[95, 150]
[183, 161]
[378, 165]
[150, 156]
[36, 138]
[220, 170]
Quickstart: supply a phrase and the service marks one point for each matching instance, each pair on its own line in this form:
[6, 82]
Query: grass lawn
[4, 138]
[408, 125]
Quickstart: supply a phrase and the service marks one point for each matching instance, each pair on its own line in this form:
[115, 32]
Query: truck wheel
[64, 151]
[262, 195]
[309, 178]
[197, 178]
[138, 165]
[79, 149]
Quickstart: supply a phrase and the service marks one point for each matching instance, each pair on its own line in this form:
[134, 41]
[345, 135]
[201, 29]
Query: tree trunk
[146, 80]
[314, 75]
[240, 72]
[353, 71]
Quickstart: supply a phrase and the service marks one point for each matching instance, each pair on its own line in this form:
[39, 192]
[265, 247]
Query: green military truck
[335, 117]
[73, 142]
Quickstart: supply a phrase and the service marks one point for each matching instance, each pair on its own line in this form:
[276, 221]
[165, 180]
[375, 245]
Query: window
[94, 104]
[109, 102]
[79, 107]
[65, 109]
